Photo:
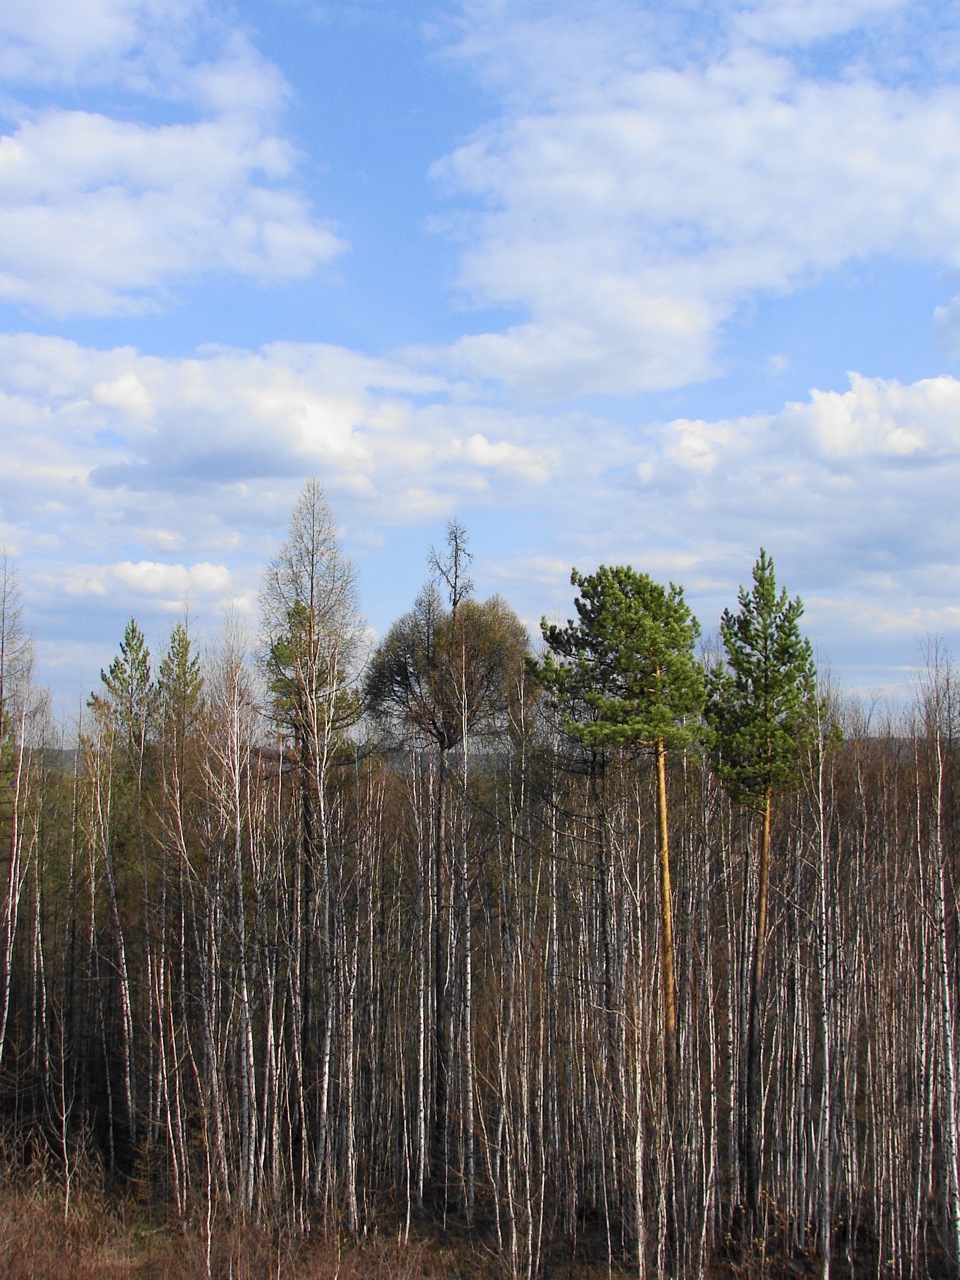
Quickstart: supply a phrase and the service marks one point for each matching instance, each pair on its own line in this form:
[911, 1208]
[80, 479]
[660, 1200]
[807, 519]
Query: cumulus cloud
[99, 216]
[102, 214]
[93, 432]
[631, 209]
[649, 171]
[141, 482]
[154, 578]
[88, 41]
[144, 579]
[126, 393]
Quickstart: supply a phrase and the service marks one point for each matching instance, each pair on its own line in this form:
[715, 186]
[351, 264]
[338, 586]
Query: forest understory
[113, 1235]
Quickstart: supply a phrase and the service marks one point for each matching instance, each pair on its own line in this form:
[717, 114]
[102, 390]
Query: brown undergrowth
[107, 1238]
[36, 1244]
[96, 1235]
[112, 1238]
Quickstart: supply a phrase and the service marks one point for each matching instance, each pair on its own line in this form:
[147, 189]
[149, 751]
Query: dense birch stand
[263, 960]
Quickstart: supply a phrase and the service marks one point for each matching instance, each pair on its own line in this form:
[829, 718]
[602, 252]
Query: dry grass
[112, 1238]
[105, 1240]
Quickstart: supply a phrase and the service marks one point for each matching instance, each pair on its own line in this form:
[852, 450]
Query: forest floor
[112, 1239]
[117, 1239]
[104, 1242]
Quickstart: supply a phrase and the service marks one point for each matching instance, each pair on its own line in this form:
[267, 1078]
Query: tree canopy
[625, 672]
[761, 702]
[129, 700]
[311, 622]
[447, 672]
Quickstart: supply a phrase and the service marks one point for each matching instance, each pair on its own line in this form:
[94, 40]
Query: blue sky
[607, 282]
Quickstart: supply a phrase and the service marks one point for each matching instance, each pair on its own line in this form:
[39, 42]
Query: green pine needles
[625, 673]
[762, 704]
[762, 713]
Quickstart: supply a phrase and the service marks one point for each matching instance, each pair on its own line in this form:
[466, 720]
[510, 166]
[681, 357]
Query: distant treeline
[607, 948]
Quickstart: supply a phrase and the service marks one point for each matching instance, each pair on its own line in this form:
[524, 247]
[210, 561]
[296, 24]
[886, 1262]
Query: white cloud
[127, 393]
[113, 508]
[143, 484]
[698, 444]
[168, 540]
[631, 208]
[502, 455]
[178, 50]
[119, 444]
[852, 492]
[87, 40]
[790, 22]
[854, 486]
[99, 216]
[911, 624]
[103, 213]
[884, 418]
[75, 581]
[236, 81]
[650, 170]
[150, 577]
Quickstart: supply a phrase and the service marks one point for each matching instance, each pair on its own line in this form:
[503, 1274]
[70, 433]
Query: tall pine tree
[761, 711]
[625, 675]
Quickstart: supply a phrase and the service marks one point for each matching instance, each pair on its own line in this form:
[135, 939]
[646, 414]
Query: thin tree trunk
[753, 1111]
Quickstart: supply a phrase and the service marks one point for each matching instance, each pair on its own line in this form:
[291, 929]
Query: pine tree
[180, 684]
[129, 697]
[625, 675]
[761, 711]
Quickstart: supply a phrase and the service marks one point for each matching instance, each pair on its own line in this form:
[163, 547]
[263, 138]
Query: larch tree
[311, 625]
[311, 632]
[762, 714]
[311, 629]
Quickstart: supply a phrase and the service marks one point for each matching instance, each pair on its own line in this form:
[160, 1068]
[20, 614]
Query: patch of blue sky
[875, 318]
